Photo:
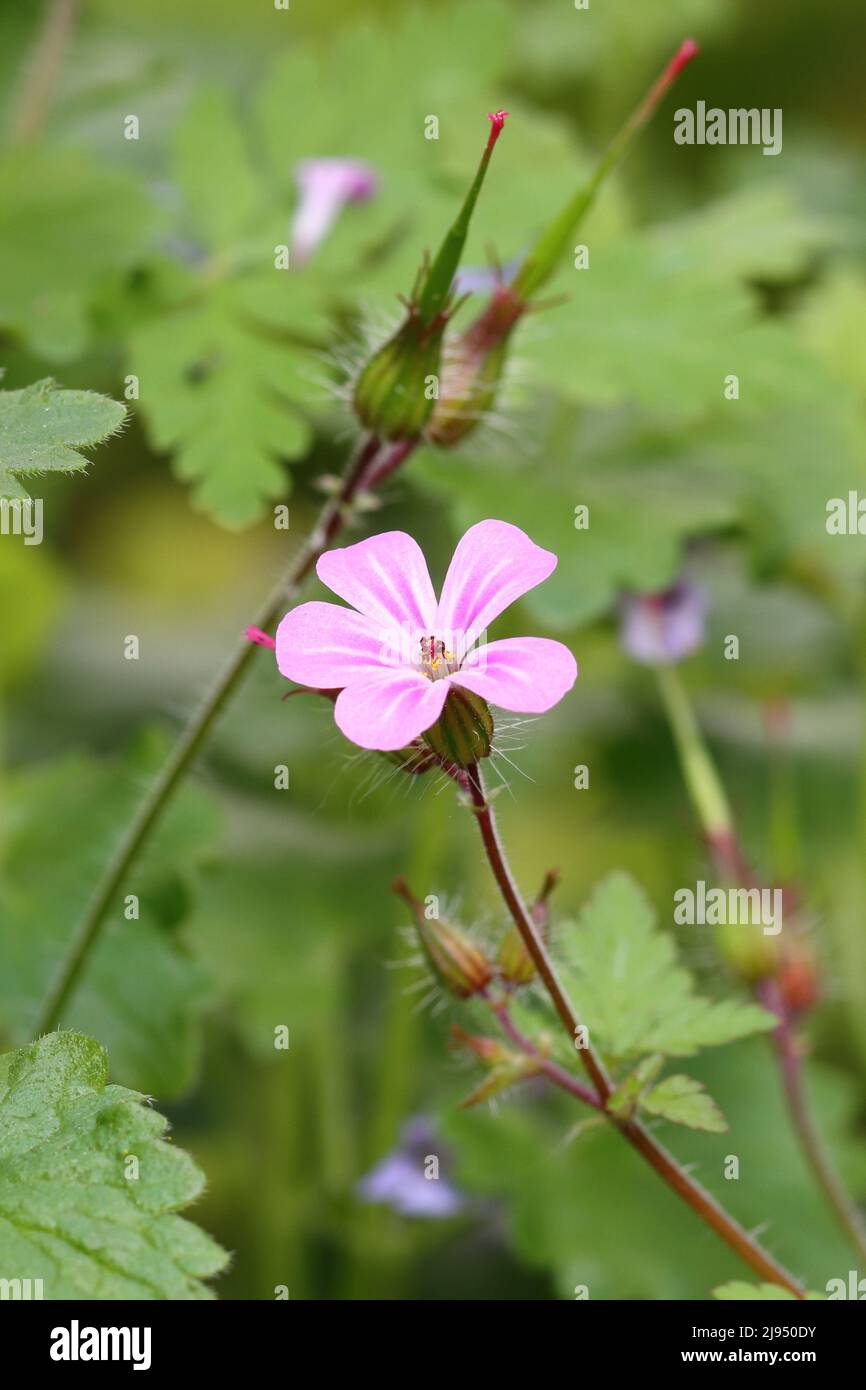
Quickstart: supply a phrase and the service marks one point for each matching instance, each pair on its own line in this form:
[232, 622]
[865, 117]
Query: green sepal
[463, 732]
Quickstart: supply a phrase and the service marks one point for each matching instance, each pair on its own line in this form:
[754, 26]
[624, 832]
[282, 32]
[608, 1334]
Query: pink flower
[325, 186]
[659, 629]
[396, 652]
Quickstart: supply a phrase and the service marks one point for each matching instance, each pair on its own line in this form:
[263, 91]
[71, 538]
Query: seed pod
[393, 395]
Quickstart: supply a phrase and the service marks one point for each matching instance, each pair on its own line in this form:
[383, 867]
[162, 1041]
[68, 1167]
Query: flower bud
[505, 1067]
[749, 953]
[461, 965]
[798, 980]
[472, 370]
[513, 959]
[474, 364]
[463, 733]
[393, 394]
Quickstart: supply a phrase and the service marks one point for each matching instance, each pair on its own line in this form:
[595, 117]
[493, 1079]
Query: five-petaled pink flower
[396, 652]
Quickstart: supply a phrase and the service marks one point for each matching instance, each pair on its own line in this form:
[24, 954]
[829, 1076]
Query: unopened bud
[459, 963]
[798, 980]
[513, 959]
[463, 733]
[473, 365]
[393, 396]
[749, 953]
[472, 370]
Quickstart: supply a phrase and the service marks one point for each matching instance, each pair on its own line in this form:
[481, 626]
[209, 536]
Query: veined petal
[327, 647]
[494, 564]
[385, 578]
[525, 674]
[389, 709]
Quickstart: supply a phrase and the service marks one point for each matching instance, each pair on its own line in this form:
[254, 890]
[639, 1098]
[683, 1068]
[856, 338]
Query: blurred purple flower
[485, 279]
[659, 629]
[325, 186]
[399, 1179]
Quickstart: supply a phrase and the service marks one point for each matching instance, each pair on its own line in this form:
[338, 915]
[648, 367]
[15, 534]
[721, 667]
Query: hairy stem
[552, 1070]
[790, 1061]
[692, 1193]
[330, 523]
[707, 796]
[42, 71]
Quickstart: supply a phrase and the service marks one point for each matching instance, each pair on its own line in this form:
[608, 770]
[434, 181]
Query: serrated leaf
[66, 226]
[43, 430]
[213, 170]
[501, 1077]
[141, 993]
[684, 1101]
[227, 378]
[628, 1090]
[598, 1215]
[628, 988]
[739, 1289]
[224, 398]
[71, 1212]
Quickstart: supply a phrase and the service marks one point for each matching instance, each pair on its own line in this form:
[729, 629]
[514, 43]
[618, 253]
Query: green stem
[331, 521]
[703, 781]
[692, 1193]
[43, 72]
[790, 1060]
[710, 803]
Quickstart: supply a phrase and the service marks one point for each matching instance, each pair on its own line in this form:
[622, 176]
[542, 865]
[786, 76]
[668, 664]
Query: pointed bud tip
[261, 639]
[687, 50]
[497, 121]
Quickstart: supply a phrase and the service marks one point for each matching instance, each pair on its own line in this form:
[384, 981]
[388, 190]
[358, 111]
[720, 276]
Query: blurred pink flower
[659, 629]
[395, 654]
[325, 186]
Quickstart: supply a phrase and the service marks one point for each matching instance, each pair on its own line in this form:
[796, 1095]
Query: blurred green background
[260, 907]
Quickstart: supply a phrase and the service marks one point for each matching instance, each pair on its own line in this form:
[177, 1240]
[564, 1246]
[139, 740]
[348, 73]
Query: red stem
[692, 1193]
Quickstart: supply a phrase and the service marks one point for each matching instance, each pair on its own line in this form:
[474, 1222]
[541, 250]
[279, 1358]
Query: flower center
[436, 660]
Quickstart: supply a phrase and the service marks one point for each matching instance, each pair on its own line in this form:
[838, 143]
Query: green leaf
[43, 429]
[213, 170]
[66, 228]
[265, 983]
[739, 1289]
[224, 398]
[595, 1214]
[227, 376]
[628, 1090]
[683, 1100]
[623, 976]
[71, 1212]
[141, 992]
[456, 70]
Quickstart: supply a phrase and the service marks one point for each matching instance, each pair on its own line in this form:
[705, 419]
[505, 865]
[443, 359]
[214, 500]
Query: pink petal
[385, 578]
[327, 647]
[390, 709]
[525, 674]
[494, 564]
